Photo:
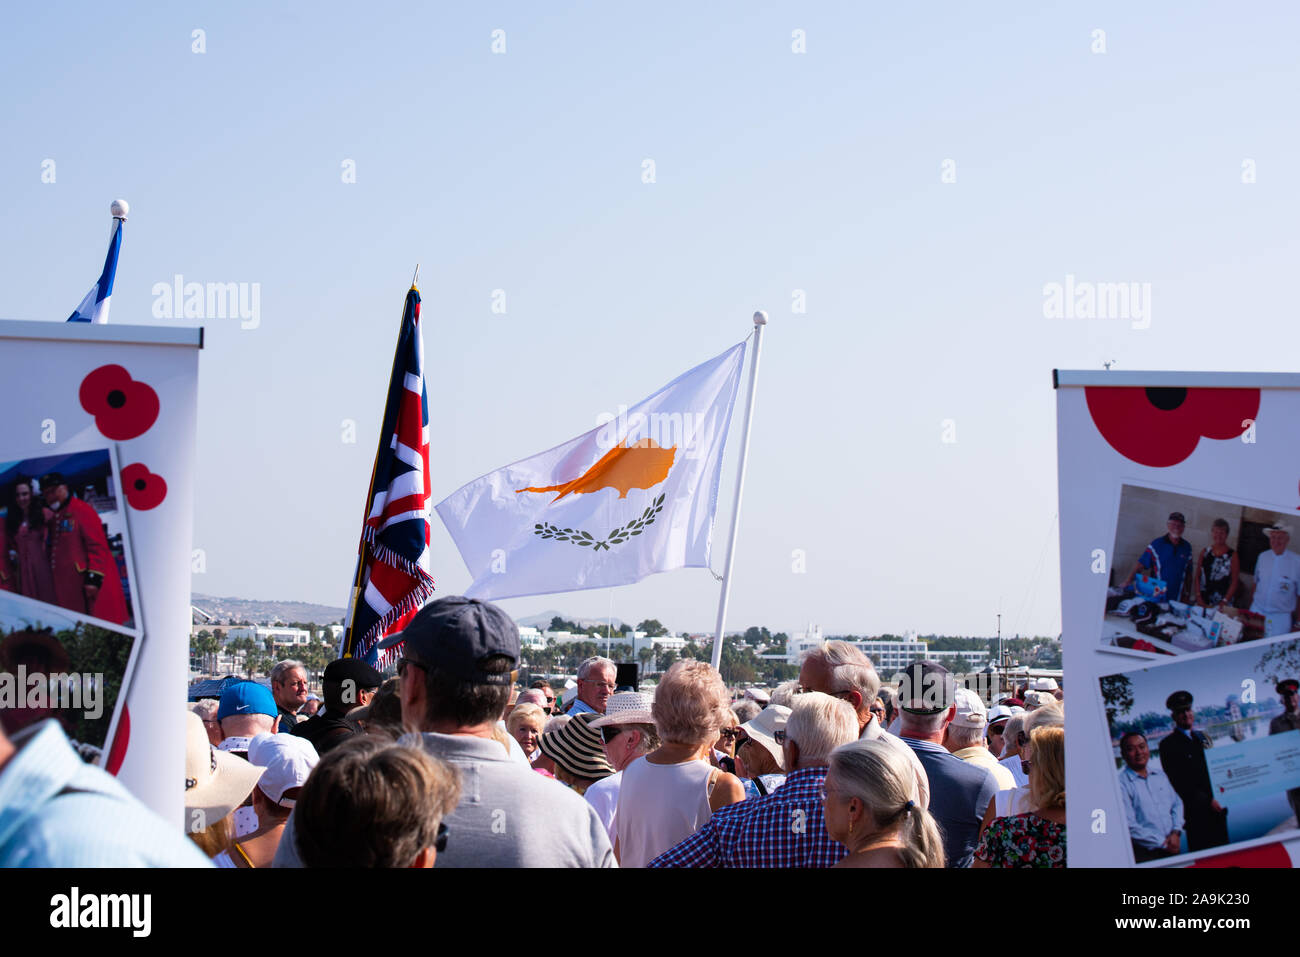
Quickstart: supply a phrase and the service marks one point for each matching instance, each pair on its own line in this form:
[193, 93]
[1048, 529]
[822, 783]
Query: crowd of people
[449, 764]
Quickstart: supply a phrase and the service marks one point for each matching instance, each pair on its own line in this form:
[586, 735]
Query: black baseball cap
[355, 670]
[455, 634]
[926, 687]
[1177, 517]
[52, 480]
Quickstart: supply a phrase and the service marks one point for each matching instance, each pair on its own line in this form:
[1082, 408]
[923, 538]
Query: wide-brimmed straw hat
[576, 747]
[762, 729]
[626, 707]
[216, 782]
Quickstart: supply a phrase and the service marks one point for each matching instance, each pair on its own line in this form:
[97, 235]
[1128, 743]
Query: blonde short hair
[691, 703]
[531, 713]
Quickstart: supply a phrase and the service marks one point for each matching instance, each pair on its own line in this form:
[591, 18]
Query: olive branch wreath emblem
[617, 537]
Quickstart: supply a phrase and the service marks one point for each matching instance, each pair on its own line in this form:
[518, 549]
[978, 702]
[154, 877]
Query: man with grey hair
[596, 682]
[289, 686]
[841, 670]
[964, 738]
[785, 828]
[532, 696]
[783, 694]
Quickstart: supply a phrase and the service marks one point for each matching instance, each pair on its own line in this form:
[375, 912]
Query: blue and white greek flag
[94, 308]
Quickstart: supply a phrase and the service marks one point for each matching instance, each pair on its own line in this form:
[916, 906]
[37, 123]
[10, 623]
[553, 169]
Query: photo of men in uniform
[1204, 751]
[1289, 720]
[1182, 756]
[64, 535]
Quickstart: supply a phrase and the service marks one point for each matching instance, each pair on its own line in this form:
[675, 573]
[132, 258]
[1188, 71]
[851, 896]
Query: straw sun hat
[215, 782]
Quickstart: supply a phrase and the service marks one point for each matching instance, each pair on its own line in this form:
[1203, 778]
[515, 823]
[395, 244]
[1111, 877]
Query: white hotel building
[888, 656]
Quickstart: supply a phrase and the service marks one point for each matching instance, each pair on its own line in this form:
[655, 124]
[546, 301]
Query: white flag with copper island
[634, 496]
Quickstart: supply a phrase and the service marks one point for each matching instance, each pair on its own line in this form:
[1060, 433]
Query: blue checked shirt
[783, 829]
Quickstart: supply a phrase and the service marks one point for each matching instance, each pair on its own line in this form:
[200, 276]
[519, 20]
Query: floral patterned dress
[1023, 840]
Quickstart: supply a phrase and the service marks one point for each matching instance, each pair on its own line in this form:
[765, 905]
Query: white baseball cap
[288, 760]
[971, 712]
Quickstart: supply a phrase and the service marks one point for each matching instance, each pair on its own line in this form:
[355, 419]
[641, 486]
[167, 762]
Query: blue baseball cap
[247, 697]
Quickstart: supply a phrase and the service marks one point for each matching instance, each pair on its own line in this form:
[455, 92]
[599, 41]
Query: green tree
[1117, 693]
[666, 659]
[652, 628]
[646, 657]
[1281, 661]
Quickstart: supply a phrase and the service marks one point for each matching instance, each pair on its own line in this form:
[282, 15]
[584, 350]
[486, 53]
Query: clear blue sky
[775, 171]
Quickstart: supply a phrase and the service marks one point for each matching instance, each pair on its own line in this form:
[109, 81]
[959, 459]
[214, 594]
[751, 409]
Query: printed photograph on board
[64, 538]
[1188, 574]
[54, 665]
[1206, 750]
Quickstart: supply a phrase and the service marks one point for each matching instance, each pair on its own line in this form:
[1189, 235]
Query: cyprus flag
[634, 496]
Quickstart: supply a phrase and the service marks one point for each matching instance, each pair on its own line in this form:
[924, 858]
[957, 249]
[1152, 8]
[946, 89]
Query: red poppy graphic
[1266, 855]
[117, 752]
[144, 490]
[123, 408]
[1160, 427]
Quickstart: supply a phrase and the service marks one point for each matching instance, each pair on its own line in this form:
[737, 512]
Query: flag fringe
[410, 601]
[383, 553]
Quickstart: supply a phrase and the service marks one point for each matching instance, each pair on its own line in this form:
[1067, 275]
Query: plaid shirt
[783, 829]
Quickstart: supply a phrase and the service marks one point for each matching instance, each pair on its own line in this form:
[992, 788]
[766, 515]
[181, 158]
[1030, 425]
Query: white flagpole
[760, 320]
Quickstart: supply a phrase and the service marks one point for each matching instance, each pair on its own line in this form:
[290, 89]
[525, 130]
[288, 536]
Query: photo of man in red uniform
[81, 563]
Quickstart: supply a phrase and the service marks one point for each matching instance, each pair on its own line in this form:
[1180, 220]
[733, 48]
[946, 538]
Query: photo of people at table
[63, 535]
[1205, 749]
[1188, 574]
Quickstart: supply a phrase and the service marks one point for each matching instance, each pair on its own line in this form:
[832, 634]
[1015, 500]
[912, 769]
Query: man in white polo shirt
[1277, 575]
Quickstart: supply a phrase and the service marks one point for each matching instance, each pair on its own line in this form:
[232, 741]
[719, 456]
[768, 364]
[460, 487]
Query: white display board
[112, 408]
[1136, 451]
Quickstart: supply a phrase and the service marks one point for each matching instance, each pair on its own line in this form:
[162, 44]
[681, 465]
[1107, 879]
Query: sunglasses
[779, 736]
[403, 663]
[730, 732]
[609, 732]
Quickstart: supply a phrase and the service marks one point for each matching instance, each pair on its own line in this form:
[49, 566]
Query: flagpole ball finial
[119, 208]
[760, 318]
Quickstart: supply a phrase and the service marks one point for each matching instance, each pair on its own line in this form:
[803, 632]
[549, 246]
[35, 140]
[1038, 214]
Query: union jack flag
[392, 579]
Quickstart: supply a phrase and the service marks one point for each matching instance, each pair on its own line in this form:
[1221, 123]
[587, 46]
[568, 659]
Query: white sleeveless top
[1011, 802]
[660, 805]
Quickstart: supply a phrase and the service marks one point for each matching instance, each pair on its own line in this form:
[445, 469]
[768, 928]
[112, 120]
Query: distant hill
[243, 609]
[542, 620]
